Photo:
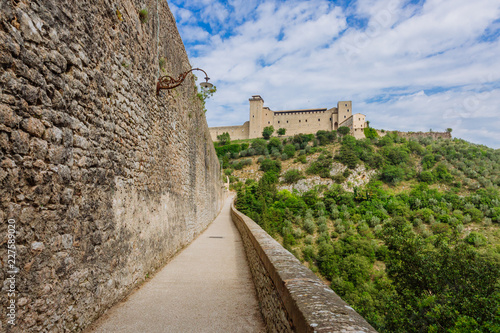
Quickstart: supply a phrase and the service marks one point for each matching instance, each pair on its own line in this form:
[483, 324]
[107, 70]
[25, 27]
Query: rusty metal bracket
[168, 82]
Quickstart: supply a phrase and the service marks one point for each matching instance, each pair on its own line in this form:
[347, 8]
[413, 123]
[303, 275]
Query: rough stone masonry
[105, 181]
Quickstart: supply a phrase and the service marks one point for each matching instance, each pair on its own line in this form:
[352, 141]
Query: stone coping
[311, 305]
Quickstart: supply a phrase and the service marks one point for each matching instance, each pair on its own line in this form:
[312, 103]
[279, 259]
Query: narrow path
[205, 288]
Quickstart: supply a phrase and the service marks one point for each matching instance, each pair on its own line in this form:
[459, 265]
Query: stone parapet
[292, 298]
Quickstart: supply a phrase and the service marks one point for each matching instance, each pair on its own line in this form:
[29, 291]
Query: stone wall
[235, 132]
[292, 298]
[434, 135]
[104, 180]
[303, 121]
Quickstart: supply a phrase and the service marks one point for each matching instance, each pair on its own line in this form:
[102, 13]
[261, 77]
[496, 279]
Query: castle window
[287, 121]
[278, 121]
[253, 116]
[268, 122]
[346, 105]
[347, 110]
[330, 119]
[319, 119]
[299, 120]
[344, 116]
[306, 120]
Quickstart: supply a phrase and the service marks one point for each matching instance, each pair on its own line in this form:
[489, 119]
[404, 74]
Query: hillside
[404, 230]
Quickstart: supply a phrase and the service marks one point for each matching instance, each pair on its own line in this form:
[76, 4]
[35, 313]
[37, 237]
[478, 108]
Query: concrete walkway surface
[206, 288]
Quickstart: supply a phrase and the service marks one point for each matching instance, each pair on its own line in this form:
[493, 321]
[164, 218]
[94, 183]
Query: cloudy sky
[407, 65]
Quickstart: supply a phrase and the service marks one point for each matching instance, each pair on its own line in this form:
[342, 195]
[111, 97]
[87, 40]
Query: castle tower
[345, 111]
[256, 106]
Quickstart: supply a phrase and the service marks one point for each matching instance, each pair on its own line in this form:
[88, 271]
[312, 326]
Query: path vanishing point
[207, 287]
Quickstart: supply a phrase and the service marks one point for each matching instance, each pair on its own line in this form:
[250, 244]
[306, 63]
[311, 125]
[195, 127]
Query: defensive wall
[235, 132]
[292, 298]
[434, 135]
[416, 135]
[103, 180]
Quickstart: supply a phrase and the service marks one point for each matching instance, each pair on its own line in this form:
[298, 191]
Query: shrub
[293, 176]
[289, 150]
[224, 139]
[161, 63]
[426, 176]
[347, 154]
[267, 132]
[441, 172]
[392, 174]
[321, 166]
[308, 253]
[143, 15]
[343, 130]
[221, 151]
[396, 155]
[259, 146]
[308, 240]
[302, 159]
[270, 165]
[275, 145]
[476, 239]
[325, 137]
[370, 133]
[439, 228]
[322, 228]
[309, 226]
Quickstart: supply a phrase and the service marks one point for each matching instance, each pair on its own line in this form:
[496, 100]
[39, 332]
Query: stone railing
[291, 297]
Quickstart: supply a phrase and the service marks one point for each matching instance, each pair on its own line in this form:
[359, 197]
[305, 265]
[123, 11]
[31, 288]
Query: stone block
[57, 154]
[20, 142]
[30, 32]
[8, 117]
[38, 148]
[54, 135]
[33, 126]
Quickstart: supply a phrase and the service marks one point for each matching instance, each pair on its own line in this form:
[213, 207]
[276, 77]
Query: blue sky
[407, 65]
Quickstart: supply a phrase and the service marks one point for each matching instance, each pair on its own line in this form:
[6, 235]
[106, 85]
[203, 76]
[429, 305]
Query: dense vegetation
[415, 250]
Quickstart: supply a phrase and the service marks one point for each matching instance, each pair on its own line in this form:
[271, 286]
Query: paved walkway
[205, 288]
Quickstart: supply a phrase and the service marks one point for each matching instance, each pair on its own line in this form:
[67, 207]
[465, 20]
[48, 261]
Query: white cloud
[303, 54]
[193, 33]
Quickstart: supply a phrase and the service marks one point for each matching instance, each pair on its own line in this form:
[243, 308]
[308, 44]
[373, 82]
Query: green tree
[439, 285]
[268, 131]
[392, 174]
[293, 176]
[281, 131]
[259, 145]
[343, 130]
[224, 139]
[347, 153]
[289, 150]
[275, 143]
[270, 165]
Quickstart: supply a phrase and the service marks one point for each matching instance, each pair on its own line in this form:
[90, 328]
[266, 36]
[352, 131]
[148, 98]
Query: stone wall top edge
[297, 285]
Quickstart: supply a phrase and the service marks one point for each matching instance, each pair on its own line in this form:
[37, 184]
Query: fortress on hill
[294, 121]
